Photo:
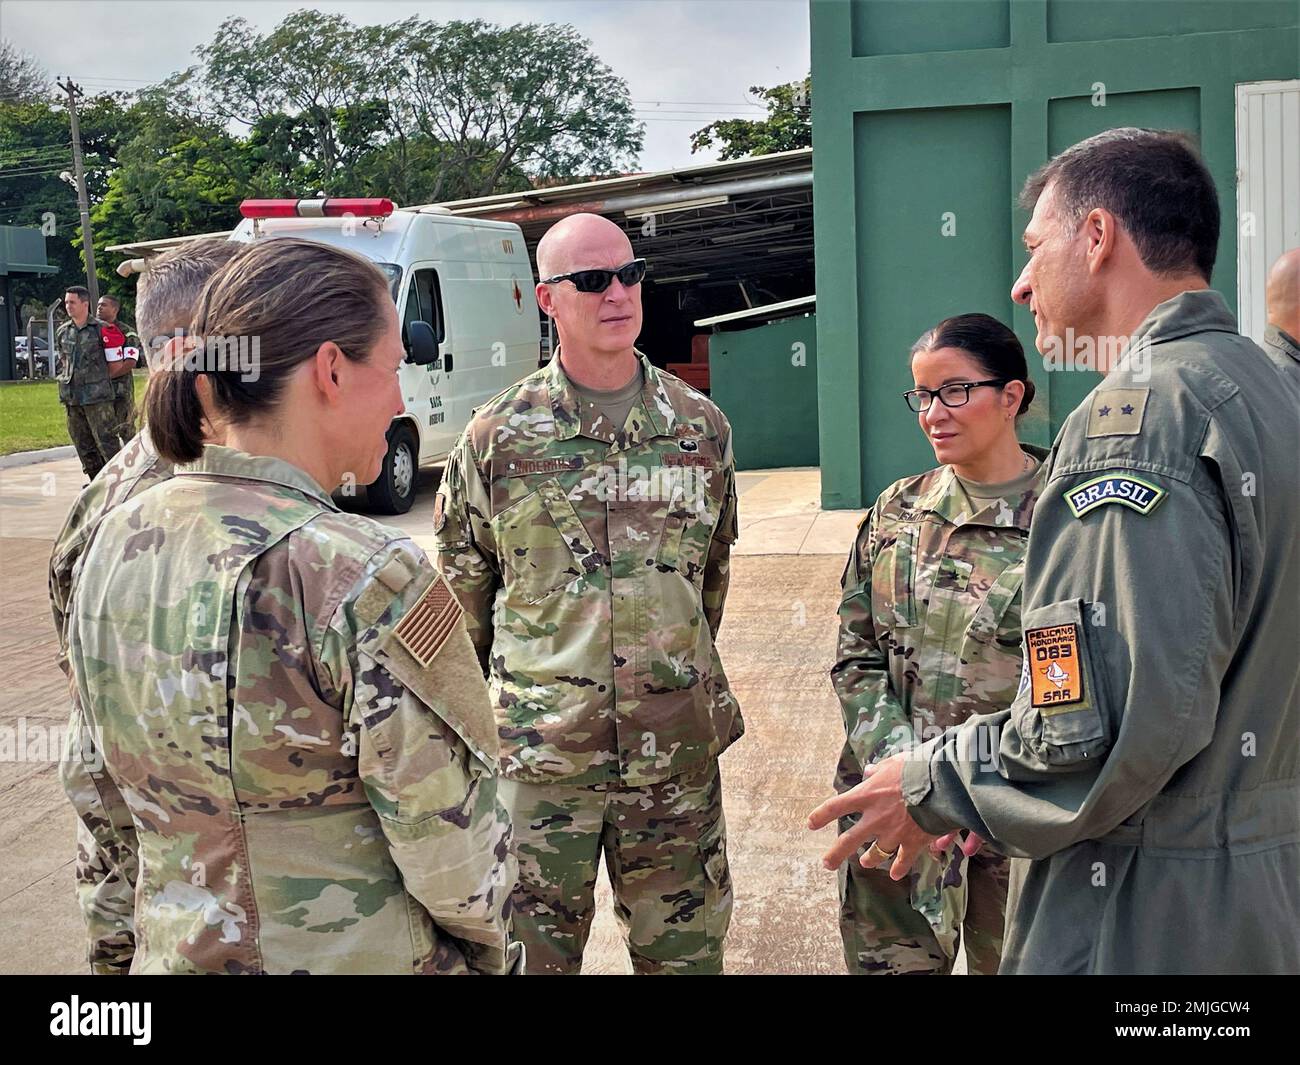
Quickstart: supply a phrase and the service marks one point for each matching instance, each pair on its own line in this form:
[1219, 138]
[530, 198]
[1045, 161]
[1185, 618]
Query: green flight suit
[1149, 766]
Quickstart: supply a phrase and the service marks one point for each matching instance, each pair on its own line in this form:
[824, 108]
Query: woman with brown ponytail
[284, 695]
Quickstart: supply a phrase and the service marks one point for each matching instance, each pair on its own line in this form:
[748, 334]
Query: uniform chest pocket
[894, 577]
[688, 526]
[543, 544]
[997, 620]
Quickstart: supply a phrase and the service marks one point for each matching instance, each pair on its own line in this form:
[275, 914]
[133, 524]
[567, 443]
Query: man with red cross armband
[1147, 776]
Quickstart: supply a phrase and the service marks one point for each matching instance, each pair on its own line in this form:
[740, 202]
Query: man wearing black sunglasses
[585, 521]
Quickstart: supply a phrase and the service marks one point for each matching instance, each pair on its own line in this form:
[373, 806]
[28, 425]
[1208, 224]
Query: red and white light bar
[337, 207]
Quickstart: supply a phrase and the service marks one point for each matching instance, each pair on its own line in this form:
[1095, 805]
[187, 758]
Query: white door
[425, 388]
[1268, 190]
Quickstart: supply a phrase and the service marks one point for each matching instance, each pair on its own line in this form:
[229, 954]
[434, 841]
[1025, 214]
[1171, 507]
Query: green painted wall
[927, 117]
[765, 381]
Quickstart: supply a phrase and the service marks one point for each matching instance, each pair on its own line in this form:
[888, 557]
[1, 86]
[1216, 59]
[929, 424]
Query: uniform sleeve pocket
[1059, 708]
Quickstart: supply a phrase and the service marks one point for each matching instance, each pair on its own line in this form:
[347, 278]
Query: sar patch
[1117, 412]
[1123, 488]
[1055, 666]
[432, 618]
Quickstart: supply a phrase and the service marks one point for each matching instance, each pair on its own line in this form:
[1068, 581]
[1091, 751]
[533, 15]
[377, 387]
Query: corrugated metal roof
[706, 173]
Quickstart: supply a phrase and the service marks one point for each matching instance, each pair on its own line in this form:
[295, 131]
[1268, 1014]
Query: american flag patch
[429, 622]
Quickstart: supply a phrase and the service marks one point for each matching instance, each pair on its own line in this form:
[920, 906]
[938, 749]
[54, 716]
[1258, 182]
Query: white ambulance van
[464, 290]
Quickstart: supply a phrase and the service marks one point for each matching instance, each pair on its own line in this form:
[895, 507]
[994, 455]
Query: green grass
[31, 416]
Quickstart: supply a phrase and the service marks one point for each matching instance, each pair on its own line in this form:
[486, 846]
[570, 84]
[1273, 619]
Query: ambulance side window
[424, 302]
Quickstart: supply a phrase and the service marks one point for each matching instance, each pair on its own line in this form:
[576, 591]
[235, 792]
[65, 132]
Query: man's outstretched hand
[879, 799]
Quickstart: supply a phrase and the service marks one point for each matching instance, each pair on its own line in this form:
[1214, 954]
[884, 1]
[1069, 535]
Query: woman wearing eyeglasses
[930, 634]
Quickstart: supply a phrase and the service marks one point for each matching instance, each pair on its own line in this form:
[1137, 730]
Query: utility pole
[83, 200]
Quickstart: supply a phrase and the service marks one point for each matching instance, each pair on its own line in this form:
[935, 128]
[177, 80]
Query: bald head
[1282, 294]
[582, 242]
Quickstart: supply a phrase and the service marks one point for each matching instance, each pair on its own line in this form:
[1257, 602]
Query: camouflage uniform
[287, 702]
[592, 561]
[929, 636]
[124, 388]
[87, 393]
[106, 850]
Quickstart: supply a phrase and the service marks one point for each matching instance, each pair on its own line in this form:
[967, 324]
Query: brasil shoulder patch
[1124, 488]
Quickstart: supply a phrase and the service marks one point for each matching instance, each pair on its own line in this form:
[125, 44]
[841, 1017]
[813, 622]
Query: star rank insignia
[1117, 412]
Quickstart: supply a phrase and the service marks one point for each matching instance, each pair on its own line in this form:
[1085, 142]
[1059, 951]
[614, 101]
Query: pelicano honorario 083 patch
[1123, 488]
[1055, 666]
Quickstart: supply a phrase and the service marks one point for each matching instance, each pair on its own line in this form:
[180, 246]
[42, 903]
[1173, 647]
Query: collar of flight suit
[573, 418]
[1198, 311]
[229, 463]
[1282, 340]
[946, 499]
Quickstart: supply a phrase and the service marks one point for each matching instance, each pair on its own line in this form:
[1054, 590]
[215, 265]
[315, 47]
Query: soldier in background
[121, 362]
[314, 790]
[930, 635]
[106, 851]
[585, 520]
[1282, 305]
[85, 387]
[1148, 767]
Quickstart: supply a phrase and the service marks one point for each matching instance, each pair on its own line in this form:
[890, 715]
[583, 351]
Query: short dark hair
[80, 291]
[111, 299]
[986, 340]
[1153, 181]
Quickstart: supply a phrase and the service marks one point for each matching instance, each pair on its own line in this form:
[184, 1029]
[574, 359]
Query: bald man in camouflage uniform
[591, 552]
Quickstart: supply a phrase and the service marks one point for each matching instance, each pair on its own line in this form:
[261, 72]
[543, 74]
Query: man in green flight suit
[85, 389]
[1148, 767]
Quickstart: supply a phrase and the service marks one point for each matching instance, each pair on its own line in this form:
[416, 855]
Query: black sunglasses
[598, 280]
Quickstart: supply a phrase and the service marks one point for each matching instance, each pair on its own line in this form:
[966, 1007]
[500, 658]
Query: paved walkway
[777, 642]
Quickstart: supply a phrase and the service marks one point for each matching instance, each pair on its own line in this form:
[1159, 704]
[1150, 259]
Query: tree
[491, 108]
[788, 124]
[526, 96]
[22, 78]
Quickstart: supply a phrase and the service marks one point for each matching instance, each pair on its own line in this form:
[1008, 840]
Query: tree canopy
[788, 124]
[417, 110]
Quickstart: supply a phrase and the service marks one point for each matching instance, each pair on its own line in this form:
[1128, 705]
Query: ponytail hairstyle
[986, 340]
[261, 314]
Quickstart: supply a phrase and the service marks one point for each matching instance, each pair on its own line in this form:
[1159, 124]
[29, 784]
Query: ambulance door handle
[446, 361]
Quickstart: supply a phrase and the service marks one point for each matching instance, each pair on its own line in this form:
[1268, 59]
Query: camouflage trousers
[124, 405]
[884, 935]
[666, 851]
[96, 434]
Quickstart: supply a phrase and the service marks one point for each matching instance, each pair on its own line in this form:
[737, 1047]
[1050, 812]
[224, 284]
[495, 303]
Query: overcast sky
[686, 62]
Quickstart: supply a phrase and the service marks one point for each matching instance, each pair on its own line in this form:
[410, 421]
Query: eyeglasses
[598, 280]
[954, 395]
